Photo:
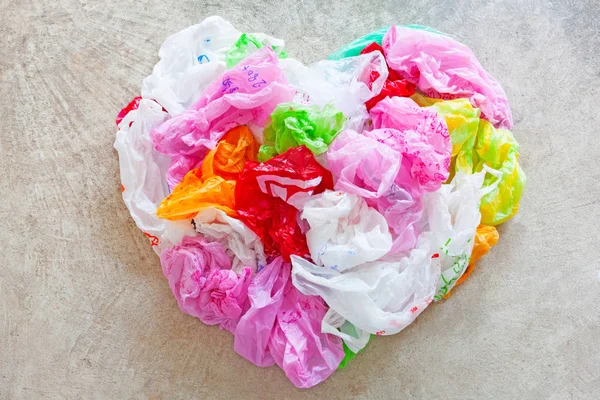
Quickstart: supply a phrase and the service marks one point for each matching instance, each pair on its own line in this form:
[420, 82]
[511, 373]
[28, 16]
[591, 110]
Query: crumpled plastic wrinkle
[190, 61]
[248, 43]
[354, 339]
[344, 231]
[268, 196]
[248, 93]
[205, 287]
[346, 84]
[444, 68]
[384, 297]
[213, 184]
[420, 135]
[132, 105]
[244, 247]
[142, 173]
[475, 143]
[394, 85]
[294, 124]
[486, 237]
[283, 326]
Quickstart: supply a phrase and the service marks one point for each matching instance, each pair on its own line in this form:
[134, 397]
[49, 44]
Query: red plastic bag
[393, 86]
[268, 196]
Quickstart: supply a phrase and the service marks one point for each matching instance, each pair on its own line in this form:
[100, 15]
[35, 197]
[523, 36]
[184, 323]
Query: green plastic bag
[246, 45]
[294, 124]
[354, 48]
[349, 355]
[475, 143]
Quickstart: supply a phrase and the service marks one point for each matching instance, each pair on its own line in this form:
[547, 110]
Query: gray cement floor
[85, 311]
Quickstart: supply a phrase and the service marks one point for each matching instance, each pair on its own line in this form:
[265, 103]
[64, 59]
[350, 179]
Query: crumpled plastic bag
[486, 237]
[344, 231]
[190, 61]
[248, 43]
[294, 124]
[383, 297]
[243, 246]
[248, 93]
[268, 196]
[420, 135]
[394, 85]
[200, 276]
[346, 84]
[444, 68]
[283, 326]
[475, 143]
[354, 339]
[142, 172]
[355, 47]
[212, 185]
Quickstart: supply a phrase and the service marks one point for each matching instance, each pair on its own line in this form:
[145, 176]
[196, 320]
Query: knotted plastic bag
[283, 326]
[344, 231]
[294, 124]
[444, 68]
[248, 93]
[142, 172]
[248, 43]
[475, 143]
[243, 246]
[268, 196]
[200, 276]
[212, 185]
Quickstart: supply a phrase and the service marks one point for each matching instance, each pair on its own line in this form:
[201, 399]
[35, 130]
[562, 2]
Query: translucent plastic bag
[248, 93]
[142, 173]
[344, 231]
[200, 276]
[268, 196]
[346, 84]
[244, 247]
[383, 297]
[294, 124]
[190, 61]
[283, 326]
[444, 68]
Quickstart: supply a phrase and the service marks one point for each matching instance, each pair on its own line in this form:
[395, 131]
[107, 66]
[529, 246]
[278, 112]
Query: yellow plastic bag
[212, 185]
[475, 142]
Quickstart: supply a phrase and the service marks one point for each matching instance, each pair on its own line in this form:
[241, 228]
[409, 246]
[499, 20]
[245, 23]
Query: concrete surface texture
[85, 311]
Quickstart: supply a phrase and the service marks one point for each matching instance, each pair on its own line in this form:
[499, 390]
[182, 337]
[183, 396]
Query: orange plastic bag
[486, 237]
[212, 185]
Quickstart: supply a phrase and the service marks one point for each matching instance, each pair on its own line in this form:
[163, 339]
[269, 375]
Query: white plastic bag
[385, 297]
[143, 174]
[245, 246]
[344, 231]
[343, 83]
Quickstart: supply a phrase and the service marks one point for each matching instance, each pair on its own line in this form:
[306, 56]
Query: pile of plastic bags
[306, 208]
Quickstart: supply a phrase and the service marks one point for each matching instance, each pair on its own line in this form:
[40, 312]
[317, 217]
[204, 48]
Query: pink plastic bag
[200, 276]
[445, 69]
[248, 93]
[283, 326]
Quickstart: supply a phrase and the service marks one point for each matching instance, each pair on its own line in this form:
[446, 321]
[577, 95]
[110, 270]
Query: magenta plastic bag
[200, 276]
[420, 135]
[443, 68]
[283, 326]
[246, 94]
